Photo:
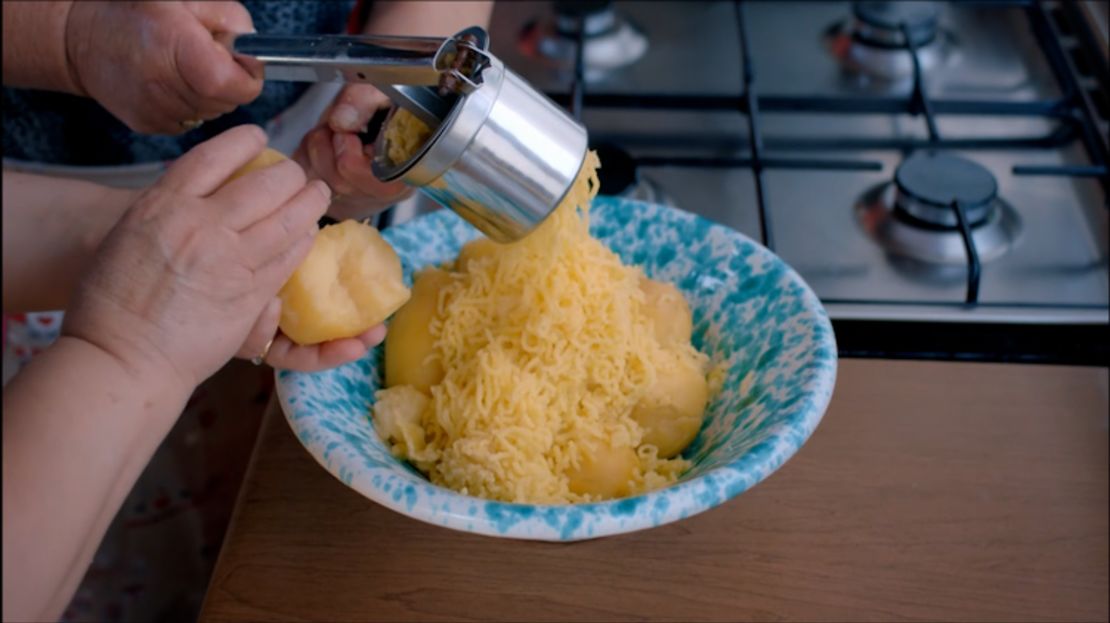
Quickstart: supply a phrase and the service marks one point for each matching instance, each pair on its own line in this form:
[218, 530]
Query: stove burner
[597, 15]
[872, 43]
[879, 24]
[609, 41]
[912, 217]
[929, 182]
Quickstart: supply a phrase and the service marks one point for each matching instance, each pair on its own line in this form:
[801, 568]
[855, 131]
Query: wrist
[427, 19]
[122, 343]
[35, 48]
[162, 390]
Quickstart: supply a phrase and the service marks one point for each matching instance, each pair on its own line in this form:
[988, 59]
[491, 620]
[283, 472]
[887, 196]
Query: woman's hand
[155, 65]
[187, 277]
[334, 153]
[184, 276]
[284, 354]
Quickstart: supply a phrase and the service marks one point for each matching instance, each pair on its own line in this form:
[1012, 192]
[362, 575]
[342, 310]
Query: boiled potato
[671, 411]
[668, 311]
[409, 341]
[398, 415]
[474, 250]
[350, 282]
[404, 135]
[267, 158]
[605, 472]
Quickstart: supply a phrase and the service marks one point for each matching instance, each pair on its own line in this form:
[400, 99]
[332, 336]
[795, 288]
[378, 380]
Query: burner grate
[1075, 113]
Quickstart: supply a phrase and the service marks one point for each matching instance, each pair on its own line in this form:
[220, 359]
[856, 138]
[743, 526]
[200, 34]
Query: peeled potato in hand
[267, 158]
[409, 341]
[671, 411]
[668, 310]
[350, 282]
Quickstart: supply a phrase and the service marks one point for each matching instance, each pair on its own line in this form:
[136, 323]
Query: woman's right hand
[180, 281]
[155, 65]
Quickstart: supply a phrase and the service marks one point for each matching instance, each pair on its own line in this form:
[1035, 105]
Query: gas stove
[936, 171]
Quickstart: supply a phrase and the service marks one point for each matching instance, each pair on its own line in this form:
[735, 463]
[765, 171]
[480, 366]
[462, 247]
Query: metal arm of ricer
[411, 71]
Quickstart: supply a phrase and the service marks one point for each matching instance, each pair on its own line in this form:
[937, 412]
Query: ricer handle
[404, 68]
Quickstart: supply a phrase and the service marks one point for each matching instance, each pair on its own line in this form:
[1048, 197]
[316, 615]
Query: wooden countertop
[931, 491]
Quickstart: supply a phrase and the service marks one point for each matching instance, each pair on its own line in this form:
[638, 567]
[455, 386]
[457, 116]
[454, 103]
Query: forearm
[35, 46]
[51, 229]
[430, 19]
[78, 429]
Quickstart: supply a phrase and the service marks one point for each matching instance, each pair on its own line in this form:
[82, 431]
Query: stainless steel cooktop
[877, 237]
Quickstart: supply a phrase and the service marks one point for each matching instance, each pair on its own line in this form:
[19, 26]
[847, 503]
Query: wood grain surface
[932, 491]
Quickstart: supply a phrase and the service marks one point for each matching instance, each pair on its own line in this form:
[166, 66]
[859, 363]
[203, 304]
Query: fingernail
[339, 143]
[345, 117]
[323, 188]
[376, 336]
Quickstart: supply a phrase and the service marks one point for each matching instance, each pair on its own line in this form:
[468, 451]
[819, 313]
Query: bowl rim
[533, 521]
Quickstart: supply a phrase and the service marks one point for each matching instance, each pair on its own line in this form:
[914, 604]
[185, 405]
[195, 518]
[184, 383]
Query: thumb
[207, 65]
[220, 17]
[263, 332]
[227, 18]
[354, 106]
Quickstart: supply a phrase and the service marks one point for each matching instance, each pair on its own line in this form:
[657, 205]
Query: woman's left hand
[282, 353]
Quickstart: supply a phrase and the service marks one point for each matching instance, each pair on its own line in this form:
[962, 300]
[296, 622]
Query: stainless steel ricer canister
[501, 154]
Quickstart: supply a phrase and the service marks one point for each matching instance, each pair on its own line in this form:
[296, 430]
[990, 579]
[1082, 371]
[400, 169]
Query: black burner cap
[921, 17]
[939, 179]
[583, 8]
[620, 169]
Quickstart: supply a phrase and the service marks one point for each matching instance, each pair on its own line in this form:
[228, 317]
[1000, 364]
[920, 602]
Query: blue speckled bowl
[750, 310]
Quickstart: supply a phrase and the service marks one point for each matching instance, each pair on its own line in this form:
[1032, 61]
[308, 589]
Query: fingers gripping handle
[407, 69]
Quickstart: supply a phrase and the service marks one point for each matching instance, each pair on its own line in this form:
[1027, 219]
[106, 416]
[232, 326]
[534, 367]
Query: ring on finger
[261, 358]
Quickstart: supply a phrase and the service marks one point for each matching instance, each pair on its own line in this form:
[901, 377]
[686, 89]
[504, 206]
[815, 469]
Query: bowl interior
[751, 312]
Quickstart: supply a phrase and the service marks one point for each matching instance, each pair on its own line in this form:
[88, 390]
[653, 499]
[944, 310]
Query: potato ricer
[501, 154]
